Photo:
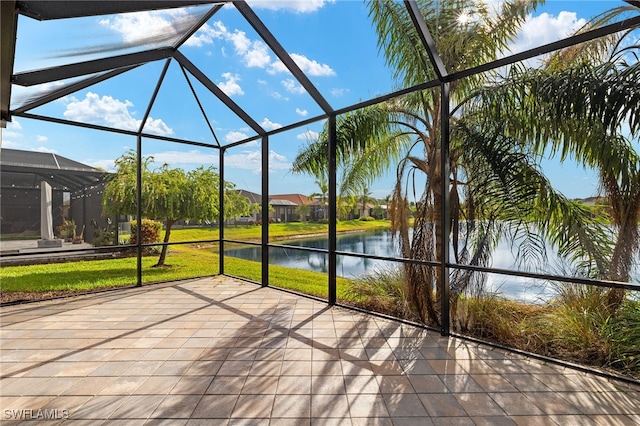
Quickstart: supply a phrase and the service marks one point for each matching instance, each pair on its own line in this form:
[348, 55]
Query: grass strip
[184, 261]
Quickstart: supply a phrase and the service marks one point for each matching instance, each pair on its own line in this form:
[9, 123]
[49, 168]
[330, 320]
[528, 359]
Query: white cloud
[292, 86]
[247, 160]
[302, 112]
[10, 134]
[160, 27]
[234, 136]
[4, 143]
[108, 165]
[312, 67]
[240, 41]
[308, 66]
[337, 92]
[21, 96]
[112, 112]
[45, 149]
[156, 126]
[252, 160]
[255, 53]
[544, 29]
[165, 27]
[278, 161]
[258, 56]
[14, 125]
[154, 27]
[309, 135]
[270, 125]
[279, 96]
[230, 86]
[41, 138]
[298, 6]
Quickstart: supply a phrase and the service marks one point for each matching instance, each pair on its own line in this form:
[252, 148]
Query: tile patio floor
[218, 351]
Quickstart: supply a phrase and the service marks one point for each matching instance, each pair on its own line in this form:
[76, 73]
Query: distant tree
[323, 195]
[365, 198]
[303, 210]
[377, 211]
[347, 206]
[170, 194]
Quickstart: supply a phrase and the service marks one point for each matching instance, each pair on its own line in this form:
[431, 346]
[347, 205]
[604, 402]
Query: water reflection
[382, 243]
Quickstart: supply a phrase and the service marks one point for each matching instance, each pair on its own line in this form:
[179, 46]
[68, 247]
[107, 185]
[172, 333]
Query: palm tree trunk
[427, 237]
[620, 266]
[436, 182]
[626, 213]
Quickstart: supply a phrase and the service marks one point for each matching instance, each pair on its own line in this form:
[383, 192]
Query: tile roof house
[284, 206]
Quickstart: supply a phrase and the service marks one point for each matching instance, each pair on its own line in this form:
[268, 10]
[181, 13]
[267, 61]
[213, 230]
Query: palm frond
[507, 183]
[368, 141]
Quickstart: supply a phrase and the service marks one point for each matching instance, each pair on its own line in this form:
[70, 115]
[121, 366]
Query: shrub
[367, 218]
[103, 237]
[150, 231]
[624, 334]
[381, 291]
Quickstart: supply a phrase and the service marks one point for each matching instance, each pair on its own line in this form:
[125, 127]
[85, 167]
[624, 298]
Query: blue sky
[332, 41]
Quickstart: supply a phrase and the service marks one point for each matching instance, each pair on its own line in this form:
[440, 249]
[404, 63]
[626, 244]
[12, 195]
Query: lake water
[381, 243]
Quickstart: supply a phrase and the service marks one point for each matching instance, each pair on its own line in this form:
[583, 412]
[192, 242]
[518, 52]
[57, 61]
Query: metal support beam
[187, 35]
[71, 88]
[333, 211]
[62, 72]
[282, 54]
[446, 211]
[45, 10]
[8, 31]
[143, 122]
[202, 111]
[221, 211]
[202, 78]
[265, 211]
[550, 47]
[111, 129]
[139, 210]
[427, 41]
[85, 222]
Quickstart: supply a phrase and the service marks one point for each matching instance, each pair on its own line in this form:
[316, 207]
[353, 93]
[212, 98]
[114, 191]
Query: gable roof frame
[45, 10]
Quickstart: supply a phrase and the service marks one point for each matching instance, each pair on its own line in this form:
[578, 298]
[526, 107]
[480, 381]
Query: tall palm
[323, 194]
[346, 205]
[491, 179]
[583, 104]
[365, 198]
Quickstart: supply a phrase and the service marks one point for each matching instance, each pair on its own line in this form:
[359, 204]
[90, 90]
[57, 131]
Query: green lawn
[277, 231]
[185, 261]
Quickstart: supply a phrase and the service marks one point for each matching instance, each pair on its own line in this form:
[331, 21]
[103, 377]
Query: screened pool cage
[164, 58]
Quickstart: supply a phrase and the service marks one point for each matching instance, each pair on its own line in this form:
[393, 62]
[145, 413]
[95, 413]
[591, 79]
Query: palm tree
[323, 195]
[584, 103]
[346, 205]
[365, 197]
[494, 188]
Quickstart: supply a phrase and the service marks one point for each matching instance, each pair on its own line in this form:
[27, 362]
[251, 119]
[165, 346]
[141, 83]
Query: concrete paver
[226, 352]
